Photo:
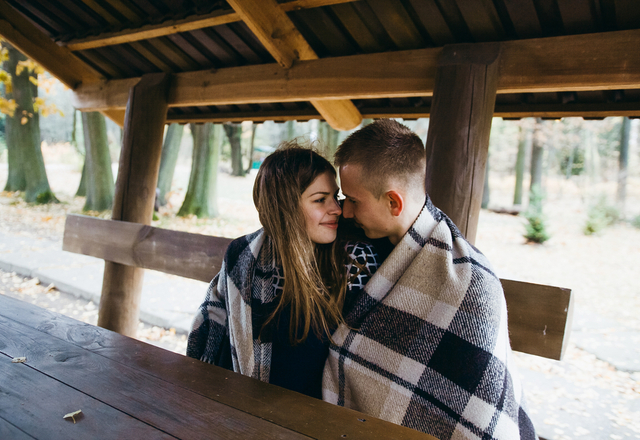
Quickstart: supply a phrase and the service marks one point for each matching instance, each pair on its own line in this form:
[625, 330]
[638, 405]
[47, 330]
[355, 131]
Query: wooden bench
[539, 316]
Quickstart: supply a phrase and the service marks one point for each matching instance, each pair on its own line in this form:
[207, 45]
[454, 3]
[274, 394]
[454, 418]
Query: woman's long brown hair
[314, 275]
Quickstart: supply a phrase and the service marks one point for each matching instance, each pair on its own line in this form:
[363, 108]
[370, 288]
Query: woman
[280, 293]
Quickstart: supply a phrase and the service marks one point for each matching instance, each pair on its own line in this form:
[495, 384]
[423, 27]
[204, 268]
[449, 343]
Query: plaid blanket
[226, 329]
[428, 346]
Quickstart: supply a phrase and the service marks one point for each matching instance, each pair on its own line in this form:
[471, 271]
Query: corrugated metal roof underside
[364, 26]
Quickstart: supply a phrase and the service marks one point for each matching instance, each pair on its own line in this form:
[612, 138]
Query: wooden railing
[539, 316]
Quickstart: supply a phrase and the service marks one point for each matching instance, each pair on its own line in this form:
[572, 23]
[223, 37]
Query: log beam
[605, 61]
[285, 43]
[28, 39]
[171, 27]
[458, 138]
[135, 196]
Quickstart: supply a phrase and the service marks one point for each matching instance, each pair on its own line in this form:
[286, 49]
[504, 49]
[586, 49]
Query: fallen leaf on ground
[72, 415]
[19, 360]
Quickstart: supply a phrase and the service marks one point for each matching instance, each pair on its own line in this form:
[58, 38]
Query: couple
[412, 330]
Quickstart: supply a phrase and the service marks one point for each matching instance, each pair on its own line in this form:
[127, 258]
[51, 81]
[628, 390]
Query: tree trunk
[25, 134]
[99, 177]
[289, 130]
[486, 196]
[16, 179]
[169, 159]
[537, 152]
[234, 133]
[82, 186]
[366, 121]
[251, 147]
[523, 145]
[623, 162]
[329, 137]
[202, 195]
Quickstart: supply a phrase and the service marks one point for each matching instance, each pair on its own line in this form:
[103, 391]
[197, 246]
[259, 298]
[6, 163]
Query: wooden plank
[458, 139]
[604, 61]
[134, 196]
[524, 17]
[540, 318]
[194, 256]
[285, 43]
[262, 116]
[294, 411]
[394, 74]
[29, 40]
[157, 402]
[8, 430]
[35, 403]
[170, 27]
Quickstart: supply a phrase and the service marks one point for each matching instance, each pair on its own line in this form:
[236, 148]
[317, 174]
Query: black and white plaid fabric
[226, 329]
[428, 346]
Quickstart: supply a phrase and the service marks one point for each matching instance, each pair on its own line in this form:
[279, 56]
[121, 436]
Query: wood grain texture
[458, 139]
[285, 43]
[539, 316]
[187, 24]
[29, 40]
[194, 256]
[135, 196]
[310, 417]
[604, 61]
[155, 401]
[35, 404]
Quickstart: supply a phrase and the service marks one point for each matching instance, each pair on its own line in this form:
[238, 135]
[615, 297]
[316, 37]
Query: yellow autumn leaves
[9, 106]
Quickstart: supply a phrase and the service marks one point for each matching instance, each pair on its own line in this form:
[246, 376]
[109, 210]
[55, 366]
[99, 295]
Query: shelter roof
[378, 54]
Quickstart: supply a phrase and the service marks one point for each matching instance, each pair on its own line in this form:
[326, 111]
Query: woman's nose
[335, 208]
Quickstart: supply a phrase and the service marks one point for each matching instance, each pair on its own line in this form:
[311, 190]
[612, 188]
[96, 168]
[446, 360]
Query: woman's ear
[396, 202]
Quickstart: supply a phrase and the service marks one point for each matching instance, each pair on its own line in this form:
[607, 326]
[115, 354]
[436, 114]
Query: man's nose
[347, 211]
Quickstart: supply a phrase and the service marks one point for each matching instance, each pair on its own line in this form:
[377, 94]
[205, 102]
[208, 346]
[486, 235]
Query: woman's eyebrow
[319, 192]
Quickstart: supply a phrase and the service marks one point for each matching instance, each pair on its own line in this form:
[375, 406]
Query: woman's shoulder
[238, 245]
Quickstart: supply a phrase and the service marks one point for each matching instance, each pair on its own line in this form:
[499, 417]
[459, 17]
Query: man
[426, 345]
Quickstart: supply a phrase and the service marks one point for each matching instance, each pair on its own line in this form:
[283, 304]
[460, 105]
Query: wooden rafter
[59, 61]
[184, 25]
[285, 43]
[606, 61]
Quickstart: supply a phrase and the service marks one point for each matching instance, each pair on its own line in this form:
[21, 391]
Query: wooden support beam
[458, 138]
[194, 256]
[29, 40]
[539, 316]
[135, 196]
[605, 61]
[285, 43]
[171, 27]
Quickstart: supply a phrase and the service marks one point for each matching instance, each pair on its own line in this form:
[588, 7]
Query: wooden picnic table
[130, 389]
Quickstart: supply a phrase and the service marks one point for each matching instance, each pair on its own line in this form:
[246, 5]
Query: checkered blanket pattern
[427, 345]
[242, 295]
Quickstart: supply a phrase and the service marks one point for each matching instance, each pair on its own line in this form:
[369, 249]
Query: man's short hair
[385, 149]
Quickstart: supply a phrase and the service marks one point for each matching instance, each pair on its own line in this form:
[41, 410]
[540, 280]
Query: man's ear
[395, 201]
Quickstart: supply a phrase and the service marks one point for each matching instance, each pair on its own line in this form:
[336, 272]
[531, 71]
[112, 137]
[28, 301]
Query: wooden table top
[130, 389]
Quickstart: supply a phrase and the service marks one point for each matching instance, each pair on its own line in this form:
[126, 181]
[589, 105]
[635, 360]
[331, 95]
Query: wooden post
[459, 127]
[134, 196]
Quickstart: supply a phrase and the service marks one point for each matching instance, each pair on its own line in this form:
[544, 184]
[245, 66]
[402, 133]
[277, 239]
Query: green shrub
[600, 215]
[635, 222]
[536, 229]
